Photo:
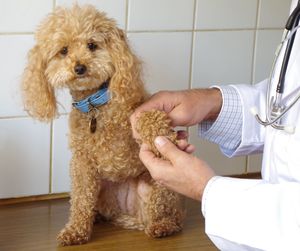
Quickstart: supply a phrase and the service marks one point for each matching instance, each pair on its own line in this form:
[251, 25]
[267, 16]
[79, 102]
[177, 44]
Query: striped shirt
[226, 130]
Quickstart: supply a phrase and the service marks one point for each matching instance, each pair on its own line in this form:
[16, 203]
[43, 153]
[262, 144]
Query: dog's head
[78, 48]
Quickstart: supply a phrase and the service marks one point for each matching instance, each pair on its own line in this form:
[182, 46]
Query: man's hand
[184, 108]
[182, 172]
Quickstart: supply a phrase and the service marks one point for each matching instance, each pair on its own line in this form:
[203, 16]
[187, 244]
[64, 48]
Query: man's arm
[236, 130]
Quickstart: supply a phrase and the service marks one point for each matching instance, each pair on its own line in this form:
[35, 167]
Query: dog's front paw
[162, 228]
[73, 235]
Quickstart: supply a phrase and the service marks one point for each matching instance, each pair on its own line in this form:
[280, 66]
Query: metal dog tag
[93, 124]
[93, 113]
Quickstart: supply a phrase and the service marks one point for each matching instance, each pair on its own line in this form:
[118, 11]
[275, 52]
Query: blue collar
[101, 97]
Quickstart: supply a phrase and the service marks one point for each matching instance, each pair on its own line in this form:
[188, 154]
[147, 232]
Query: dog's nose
[80, 69]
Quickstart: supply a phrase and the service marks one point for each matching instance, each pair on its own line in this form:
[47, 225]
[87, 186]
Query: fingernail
[160, 141]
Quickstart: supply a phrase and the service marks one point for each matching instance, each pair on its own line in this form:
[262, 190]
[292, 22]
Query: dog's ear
[126, 81]
[38, 95]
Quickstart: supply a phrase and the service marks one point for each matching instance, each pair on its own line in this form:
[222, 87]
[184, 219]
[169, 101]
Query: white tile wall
[22, 16]
[266, 44]
[183, 43]
[226, 14]
[273, 13]
[60, 156]
[222, 57]
[64, 101]
[13, 51]
[24, 157]
[171, 71]
[114, 8]
[160, 15]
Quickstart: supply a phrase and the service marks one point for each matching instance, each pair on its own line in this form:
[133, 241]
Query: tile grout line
[253, 66]
[51, 141]
[126, 16]
[159, 31]
[255, 42]
[28, 117]
[192, 46]
[204, 30]
[51, 159]
[14, 117]
[192, 54]
[16, 33]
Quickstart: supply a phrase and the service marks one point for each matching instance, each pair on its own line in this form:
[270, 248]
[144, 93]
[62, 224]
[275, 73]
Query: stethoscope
[275, 108]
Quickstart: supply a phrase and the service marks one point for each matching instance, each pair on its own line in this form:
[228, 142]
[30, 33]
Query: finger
[150, 160]
[182, 144]
[145, 147]
[181, 134]
[157, 167]
[133, 120]
[135, 134]
[154, 103]
[168, 149]
[162, 101]
[190, 149]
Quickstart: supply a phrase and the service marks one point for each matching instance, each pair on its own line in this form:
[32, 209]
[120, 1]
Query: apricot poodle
[83, 50]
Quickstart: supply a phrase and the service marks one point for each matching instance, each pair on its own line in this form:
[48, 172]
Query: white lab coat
[261, 214]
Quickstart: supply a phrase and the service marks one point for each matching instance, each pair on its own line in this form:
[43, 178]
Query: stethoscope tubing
[287, 35]
[275, 102]
[290, 26]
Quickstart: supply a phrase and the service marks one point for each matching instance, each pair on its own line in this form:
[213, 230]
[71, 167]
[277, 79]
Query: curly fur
[151, 124]
[107, 176]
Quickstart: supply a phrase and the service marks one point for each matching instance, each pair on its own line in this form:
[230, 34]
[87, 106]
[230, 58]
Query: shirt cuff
[226, 130]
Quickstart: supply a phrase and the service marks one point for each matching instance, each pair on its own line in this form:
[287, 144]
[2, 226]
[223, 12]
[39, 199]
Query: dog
[81, 49]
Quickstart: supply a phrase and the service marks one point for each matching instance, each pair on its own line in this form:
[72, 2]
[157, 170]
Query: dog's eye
[92, 46]
[64, 51]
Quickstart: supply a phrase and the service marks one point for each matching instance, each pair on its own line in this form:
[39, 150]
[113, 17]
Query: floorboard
[34, 225]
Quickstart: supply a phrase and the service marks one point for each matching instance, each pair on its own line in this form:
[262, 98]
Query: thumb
[167, 148]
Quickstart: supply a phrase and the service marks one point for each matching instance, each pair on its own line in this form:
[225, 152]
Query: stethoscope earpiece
[254, 111]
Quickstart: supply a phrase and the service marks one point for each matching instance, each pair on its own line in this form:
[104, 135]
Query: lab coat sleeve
[253, 133]
[273, 221]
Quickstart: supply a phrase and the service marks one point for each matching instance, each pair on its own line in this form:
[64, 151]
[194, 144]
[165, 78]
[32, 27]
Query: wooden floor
[34, 225]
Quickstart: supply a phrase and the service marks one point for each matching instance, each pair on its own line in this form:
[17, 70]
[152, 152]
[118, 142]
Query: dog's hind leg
[165, 212]
[84, 196]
